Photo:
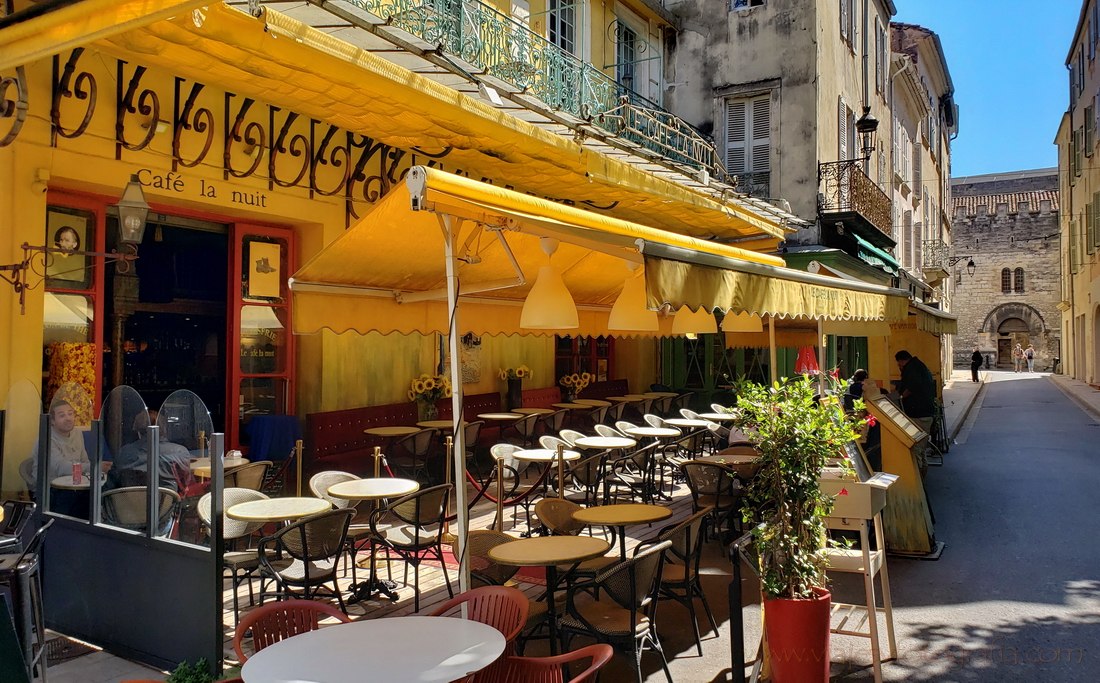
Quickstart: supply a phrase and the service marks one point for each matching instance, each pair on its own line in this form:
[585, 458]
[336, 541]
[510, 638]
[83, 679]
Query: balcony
[478, 42]
[935, 255]
[847, 195]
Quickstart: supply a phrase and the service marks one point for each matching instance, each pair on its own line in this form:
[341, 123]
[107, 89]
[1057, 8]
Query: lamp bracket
[19, 271]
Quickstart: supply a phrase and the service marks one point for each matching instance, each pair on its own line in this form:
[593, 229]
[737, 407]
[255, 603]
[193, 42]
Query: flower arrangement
[522, 372]
[574, 384]
[430, 389]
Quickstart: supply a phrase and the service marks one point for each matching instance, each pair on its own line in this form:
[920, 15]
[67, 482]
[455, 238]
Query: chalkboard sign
[896, 422]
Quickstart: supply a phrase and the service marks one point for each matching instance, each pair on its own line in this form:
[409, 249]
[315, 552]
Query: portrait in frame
[71, 230]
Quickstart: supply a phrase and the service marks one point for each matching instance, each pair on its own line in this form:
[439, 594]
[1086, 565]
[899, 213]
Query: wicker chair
[241, 564]
[250, 476]
[513, 474]
[127, 508]
[359, 529]
[626, 619]
[553, 669]
[680, 574]
[484, 571]
[615, 412]
[417, 532]
[553, 422]
[525, 429]
[623, 426]
[502, 607]
[313, 545]
[570, 436]
[716, 487]
[411, 454]
[557, 515]
[281, 620]
[604, 430]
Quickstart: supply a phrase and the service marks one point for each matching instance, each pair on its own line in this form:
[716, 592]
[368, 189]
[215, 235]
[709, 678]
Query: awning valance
[701, 280]
[387, 273]
[933, 320]
[874, 256]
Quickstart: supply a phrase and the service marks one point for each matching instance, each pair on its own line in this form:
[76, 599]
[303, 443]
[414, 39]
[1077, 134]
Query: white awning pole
[821, 358]
[772, 356]
[451, 226]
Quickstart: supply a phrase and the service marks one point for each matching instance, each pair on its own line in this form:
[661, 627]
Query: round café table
[66, 482]
[621, 516]
[605, 442]
[277, 509]
[533, 411]
[426, 649]
[438, 424]
[571, 406]
[200, 467]
[391, 432]
[718, 417]
[745, 466]
[660, 394]
[549, 552]
[629, 398]
[686, 423]
[373, 489]
[594, 402]
[501, 417]
[654, 432]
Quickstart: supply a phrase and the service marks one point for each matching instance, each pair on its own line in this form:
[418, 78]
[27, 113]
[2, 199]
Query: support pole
[450, 226]
[448, 537]
[772, 356]
[820, 358]
[561, 471]
[298, 464]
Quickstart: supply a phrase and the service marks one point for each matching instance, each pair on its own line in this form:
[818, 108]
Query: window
[563, 25]
[1072, 85]
[880, 58]
[1090, 131]
[626, 54]
[1095, 214]
[748, 143]
[846, 133]
[848, 22]
[745, 4]
[1079, 138]
[1090, 226]
[1018, 281]
[1006, 281]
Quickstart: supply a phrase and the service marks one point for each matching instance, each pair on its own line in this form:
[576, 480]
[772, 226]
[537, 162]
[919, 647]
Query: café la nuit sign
[176, 183]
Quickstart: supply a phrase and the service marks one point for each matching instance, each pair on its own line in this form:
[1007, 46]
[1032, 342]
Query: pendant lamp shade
[629, 314]
[687, 321]
[259, 318]
[549, 305]
[742, 322]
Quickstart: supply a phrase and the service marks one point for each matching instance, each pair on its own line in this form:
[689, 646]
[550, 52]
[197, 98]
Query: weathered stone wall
[1016, 228]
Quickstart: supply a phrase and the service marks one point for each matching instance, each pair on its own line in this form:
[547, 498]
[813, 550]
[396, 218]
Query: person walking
[1017, 358]
[975, 363]
[1029, 356]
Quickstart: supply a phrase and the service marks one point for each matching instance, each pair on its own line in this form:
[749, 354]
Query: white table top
[66, 482]
[373, 488]
[420, 649]
[571, 406]
[534, 411]
[659, 432]
[277, 509]
[544, 455]
[660, 394]
[594, 402]
[685, 422]
[501, 417]
[391, 431]
[438, 424]
[605, 442]
[719, 417]
[629, 398]
[201, 467]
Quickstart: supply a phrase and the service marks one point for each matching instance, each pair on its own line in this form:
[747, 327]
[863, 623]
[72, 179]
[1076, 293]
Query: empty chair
[359, 529]
[615, 412]
[604, 430]
[127, 508]
[653, 420]
[416, 532]
[250, 476]
[17, 514]
[502, 607]
[554, 669]
[570, 436]
[586, 476]
[512, 472]
[552, 442]
[680, 402]
[557, 515]
[680, 573]
[553, 422]
[471, 434]
[716, 487]
[623, 426]
[719, 408]
[277, 621]
[525, 429]
[597, 416]
[623, 616]
[411, 454]
[241, 564]
[484, 571]
[663, 405]
[313, 546]
[21, 575]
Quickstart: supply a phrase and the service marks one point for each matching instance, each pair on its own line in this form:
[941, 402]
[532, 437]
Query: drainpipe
[866, 86]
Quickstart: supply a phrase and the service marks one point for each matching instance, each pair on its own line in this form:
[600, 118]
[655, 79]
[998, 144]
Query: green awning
[878, 258]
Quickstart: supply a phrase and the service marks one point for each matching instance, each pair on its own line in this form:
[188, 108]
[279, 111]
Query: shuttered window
[1095, 204]
[748, 142]
[1090, 226]
[1090, 132]
[1018, 281]
[846, 132]
[1006, 281]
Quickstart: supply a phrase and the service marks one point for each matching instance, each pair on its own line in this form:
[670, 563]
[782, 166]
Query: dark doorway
[167, 317]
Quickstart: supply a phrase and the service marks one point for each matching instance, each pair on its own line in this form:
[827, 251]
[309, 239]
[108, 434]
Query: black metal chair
[21, 574]
[716, 487]
[17, 514]
[416, 532]
[242, 565]
[410, 454]
[313, 546]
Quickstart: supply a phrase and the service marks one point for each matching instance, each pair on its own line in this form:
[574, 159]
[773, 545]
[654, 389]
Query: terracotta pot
[798, 638]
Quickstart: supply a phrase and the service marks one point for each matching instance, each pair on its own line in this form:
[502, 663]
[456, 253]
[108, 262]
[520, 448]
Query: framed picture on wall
[70, 230]
[265, 267]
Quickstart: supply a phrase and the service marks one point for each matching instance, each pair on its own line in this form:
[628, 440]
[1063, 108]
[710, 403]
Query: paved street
[1016, 594]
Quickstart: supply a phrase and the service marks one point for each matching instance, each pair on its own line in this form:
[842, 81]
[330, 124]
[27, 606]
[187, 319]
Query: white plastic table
[277, 509]
[686, 422]
[387, 649]
[605, 442]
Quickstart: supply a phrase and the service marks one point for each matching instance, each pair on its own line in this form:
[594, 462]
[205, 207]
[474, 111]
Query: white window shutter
[842, 130]
[736, 136]
[844, 18]
[761, 134]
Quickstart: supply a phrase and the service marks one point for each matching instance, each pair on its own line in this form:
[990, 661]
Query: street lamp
[867, 126]
[132, 212]
[970, 266]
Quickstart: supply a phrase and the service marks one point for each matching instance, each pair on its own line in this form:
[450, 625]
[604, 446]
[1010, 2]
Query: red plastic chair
[502, 607]
[552, 669]
[277, 621]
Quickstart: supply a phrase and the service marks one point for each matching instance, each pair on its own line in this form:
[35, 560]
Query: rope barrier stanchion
[561, 470]
[298, 465]
[500, 494]
[448, 537]
[377, 455]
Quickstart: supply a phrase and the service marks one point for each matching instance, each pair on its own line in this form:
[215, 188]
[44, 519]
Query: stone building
[1007, 225]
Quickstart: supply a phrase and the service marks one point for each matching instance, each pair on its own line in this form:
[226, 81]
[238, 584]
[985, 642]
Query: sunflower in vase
[572, 385]
[426, 390]
[522, 372]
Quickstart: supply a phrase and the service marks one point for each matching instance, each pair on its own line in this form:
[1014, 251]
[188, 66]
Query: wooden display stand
[855, 504]
[907, 518]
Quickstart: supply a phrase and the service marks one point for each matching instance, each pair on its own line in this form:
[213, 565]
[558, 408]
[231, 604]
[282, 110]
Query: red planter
[798, 638]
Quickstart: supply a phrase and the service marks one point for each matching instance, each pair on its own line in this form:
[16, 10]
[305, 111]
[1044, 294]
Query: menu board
[859, 461]
[895, 421]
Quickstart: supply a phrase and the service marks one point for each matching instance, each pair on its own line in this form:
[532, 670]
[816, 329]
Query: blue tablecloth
[273, 436]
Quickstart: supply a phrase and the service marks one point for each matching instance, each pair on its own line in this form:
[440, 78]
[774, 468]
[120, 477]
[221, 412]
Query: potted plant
[426, 391]
[796, 435]
[515, 377]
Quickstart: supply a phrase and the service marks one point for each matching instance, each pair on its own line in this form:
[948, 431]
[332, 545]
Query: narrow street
[1016, 594]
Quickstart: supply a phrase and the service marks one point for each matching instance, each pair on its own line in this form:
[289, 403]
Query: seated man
[66, 446]
[131, 463]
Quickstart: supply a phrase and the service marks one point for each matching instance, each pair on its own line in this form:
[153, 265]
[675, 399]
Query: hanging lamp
[549, 305]
[629, 314]
[742, 322]
[687, 321]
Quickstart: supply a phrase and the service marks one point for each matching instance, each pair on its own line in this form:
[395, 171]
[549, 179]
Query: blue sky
[1007, 61]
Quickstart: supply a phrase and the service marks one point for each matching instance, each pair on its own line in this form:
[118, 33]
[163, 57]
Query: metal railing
[496, 44]
[935, 254]
[845, 187]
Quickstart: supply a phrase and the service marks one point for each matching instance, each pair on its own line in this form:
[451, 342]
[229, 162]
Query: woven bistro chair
[359, 529]
[604, 430]
[313, 546]
[277, 621]
[557, 515]
[415, 532]
[526, 429]
[250, 476]
[411, 454]
[514, 469]
[242, 565]
[622, 614]
[502, 607]
[570, 436]
[716, 487]
[126, 508]
[554, 669]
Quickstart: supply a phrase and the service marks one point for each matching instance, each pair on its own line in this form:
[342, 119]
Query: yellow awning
[856, 328]
[289, 64]
[933, 320]
[707, 282]
[387, 272]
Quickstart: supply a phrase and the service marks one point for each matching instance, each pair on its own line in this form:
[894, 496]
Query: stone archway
[1010, 324]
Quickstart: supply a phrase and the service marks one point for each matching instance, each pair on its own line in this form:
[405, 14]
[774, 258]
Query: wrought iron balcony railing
[845, 188]
[498, 45]
[935, 254]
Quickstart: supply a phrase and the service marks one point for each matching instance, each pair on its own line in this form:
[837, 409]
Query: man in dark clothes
[917, 386]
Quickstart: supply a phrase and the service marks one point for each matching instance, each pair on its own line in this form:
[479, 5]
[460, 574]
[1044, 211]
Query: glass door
[262, 364]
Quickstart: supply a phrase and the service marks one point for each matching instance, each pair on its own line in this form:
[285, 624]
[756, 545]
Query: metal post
[377, 461]
[451, 226]
[561, 471]
[298, 462]
[500, 494]
[152, 438]
[821, 359]
[94, 501]
[217, 539]
[772, 356]
[448, 443]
